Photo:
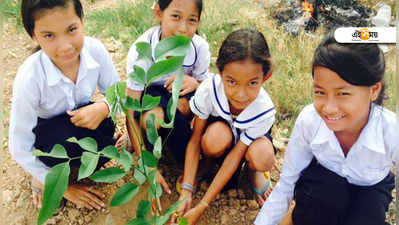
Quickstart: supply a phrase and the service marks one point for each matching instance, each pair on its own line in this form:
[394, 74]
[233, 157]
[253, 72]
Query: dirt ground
[236, 206]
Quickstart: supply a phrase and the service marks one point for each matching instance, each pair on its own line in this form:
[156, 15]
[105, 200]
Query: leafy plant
[168, 57]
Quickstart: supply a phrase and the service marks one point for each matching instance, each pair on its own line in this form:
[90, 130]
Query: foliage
[169, 56]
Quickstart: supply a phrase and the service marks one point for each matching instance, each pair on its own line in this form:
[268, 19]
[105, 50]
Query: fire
[307, 8]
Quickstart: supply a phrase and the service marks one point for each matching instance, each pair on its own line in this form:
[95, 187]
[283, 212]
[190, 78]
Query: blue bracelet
[187, 187]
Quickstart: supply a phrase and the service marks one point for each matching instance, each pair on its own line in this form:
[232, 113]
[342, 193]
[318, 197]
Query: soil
[236, 206]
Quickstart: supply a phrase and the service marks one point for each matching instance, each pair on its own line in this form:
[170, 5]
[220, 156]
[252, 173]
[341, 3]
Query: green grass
[10, 10]
[124, 22]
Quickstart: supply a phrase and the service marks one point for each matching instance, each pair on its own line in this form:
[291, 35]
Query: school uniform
[41, 97]
[253, 122]
[328, 187]
[195, 64]
[256, 120]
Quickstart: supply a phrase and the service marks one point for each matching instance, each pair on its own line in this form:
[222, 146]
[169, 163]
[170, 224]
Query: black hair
[242, 44]
[358, 64]
[163, 4]
[30, 8]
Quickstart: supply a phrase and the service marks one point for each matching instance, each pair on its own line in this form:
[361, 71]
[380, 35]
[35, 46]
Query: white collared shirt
[41, 90]
[367, 163]
[196, 63]
[253, 122]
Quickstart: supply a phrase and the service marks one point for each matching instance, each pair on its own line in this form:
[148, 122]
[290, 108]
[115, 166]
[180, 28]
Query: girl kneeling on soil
[338, 161]
[52, 93]
[176, 17]
[233, 119]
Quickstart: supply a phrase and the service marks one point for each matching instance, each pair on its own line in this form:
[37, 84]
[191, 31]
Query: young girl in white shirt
[52, 93]
[233, 120]
[176, 17]
[338, 161]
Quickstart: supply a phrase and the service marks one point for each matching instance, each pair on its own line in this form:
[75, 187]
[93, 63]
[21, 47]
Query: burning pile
[331, 13]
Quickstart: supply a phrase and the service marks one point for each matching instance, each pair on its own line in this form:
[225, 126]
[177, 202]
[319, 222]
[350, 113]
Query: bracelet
[203, 202]
[187, 187]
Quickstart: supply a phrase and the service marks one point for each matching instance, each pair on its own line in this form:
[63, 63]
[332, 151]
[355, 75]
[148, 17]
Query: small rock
[81, 221]
[252, 204]
[73, 214]
[51, 221]
[225, 219]
[88, 218]
[7, 196]
[232, 193]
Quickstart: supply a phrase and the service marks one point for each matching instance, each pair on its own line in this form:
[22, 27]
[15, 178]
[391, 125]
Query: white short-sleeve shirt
[196, 63]
[368, 162]
[41, 90]
[253, 122]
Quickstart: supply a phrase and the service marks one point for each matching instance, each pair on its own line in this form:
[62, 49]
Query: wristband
[187, 187]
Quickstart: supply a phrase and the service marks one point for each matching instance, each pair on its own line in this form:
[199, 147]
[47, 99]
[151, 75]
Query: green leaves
[108, 175]
[89, 163]
[58, 151]
[172, 46]
[110, 152]
[124, 194]
[87, 143]
[164, 67]
[149, 159]
[125, 160]
[143, 209]
[54, 188]
[144, 50]
[174, 100]
[152, 133]
[150, 102]
[138, 75]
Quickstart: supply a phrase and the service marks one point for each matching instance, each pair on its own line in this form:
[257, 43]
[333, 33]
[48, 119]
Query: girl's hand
[89, 116]
[194, 214]
[84, 196]
[186, 197]
[165, 188]
[189, 85]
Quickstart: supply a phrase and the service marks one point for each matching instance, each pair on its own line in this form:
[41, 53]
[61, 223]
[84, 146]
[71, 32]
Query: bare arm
[226, 171]
[193, 151]
[229, 166]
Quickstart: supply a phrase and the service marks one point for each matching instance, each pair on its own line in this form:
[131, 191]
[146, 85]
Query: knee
[216, 139]
[158, 112]
[183, 106]
[260, 155]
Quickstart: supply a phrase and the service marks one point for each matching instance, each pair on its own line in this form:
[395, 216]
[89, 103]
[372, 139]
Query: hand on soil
[84, 196]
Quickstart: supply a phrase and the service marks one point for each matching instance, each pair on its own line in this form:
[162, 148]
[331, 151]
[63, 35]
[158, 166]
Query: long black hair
[358, 64]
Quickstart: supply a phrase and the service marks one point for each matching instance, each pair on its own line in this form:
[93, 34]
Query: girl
[52, 92]
[337, 164]
[177, 17]
[233, 119]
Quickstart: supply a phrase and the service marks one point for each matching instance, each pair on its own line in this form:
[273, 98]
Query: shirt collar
[192, 54]
[261, 108]
[54, 75]
[219, 99]
[371, 137]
